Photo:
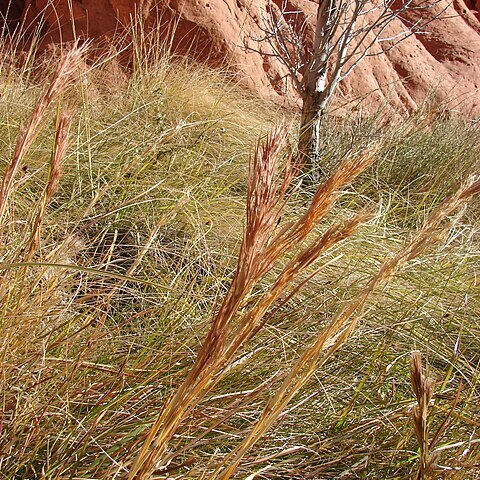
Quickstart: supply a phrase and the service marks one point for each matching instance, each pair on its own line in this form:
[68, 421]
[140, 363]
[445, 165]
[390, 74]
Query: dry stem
[260, 249]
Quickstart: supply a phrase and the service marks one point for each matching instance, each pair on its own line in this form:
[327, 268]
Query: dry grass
[149, 330]
[261, 248]
[67, 68]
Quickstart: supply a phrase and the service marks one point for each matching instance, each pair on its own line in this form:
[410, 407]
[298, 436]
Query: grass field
[122, 212]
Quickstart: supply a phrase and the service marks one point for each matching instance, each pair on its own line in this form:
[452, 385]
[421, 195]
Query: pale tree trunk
[315, 95]
[309, 144]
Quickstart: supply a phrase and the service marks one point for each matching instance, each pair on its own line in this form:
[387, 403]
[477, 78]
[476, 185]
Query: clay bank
[441, 62]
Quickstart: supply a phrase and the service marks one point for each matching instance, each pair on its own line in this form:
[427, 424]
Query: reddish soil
[443, 63]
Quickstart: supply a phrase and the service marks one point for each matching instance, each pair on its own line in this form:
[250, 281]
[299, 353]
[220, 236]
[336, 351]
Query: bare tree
[344, 34]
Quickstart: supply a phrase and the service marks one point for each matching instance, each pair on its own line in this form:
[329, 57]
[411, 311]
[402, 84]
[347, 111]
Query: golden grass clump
[170, 308]
[259, 251]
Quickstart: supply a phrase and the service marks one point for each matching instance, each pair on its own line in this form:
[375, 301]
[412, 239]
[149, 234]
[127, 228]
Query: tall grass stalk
[64, 73]
[257, 255]
[56, 165]
[422, 387]
[342, 325]
[429, 448]
[261, 247]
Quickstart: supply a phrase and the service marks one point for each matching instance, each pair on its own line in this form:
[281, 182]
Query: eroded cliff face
[443, 63]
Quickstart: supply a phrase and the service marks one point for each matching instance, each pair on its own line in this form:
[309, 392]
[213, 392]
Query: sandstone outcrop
[443, 63]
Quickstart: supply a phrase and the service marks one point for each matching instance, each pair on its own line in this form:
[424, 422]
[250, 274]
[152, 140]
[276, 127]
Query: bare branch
[345, 33]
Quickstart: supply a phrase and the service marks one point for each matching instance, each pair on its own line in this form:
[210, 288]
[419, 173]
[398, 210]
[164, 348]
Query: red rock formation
[443, 63]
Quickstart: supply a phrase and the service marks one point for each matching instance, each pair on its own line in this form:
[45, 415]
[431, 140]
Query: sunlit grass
[137, 250]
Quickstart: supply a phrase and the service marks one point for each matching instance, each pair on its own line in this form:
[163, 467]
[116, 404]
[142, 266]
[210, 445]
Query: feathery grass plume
[344, 322]
[56, 166]
[260, 248]
[64, 73]
[422, 387]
